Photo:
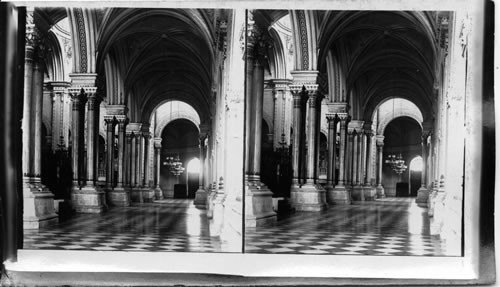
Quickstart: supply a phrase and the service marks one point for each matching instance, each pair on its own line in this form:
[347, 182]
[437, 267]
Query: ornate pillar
[110, 122]
[77, 98]
[310, 196]
[127, 158]
[296, 126]
[258, 203]
[368, 190]
[380, 151]
[147, 193]
[423, 192]
[36, 107]
[157, 148]
[92, 105]
[340, 195]
[88, 199]
[38, 201]
[122, 122]
[332, 149]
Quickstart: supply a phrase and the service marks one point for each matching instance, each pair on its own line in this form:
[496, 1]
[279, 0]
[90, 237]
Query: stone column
[127, 158]
[258, 203]
[296, 125]
[340, 195]
[310, 196]
[200, 199]
[135, 160]
[118, 195]
[36, 107]
[91, 155]
[380, 151]
[147, 193]
[332, 149]
[423, 192]
[38, 201]
[122, 122]
[110, 122]
[89, 199]
[157, 148]
[368, 190]
[76, 97]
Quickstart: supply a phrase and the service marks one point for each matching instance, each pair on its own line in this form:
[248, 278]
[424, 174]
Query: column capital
[134, 127]
[116, 109]
[343, 117]
[157, 143]
[109, 119]
[332, 118]
[380, 140]
[121, 119]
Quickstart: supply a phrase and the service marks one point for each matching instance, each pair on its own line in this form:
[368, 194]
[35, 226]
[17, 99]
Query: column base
[148, 194]
[370, 193]
[339, 195]
[200, 199]
[119, 196]
[310, 197]
[380, 191]
[88, 199]
[142, 194]
[38, 206]
[158, 193]
[357, 193]
[258, 205]
[422, 197]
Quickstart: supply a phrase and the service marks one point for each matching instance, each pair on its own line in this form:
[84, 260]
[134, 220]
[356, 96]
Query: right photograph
[356, 132]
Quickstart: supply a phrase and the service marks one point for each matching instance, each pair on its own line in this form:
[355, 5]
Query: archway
[415, 174]
[179, 142]
[402, 137]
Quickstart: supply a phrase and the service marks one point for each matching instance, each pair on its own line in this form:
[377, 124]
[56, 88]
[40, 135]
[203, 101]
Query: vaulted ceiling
[160, 54]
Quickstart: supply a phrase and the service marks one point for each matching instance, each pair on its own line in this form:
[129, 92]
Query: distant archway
[415, 174]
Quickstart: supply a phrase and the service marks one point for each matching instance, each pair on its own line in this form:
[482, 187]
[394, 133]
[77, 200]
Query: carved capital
[380, 140]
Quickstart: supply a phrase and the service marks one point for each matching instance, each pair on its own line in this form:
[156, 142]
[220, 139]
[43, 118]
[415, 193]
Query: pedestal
[148, 194]
[339, 195]
[357, 193]
[380, 191]
[200, 199]
[119, 197]
[310, 197]
[136, 194]
[370, 193]
[422, 197]
[258, 205]
[38, 207]
[89, 199]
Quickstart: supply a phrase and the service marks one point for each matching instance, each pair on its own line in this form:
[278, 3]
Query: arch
[165, 114]
[396, 108]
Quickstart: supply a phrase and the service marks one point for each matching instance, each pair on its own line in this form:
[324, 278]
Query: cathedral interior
[263, 131]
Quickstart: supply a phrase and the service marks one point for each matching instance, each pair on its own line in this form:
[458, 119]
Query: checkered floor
[167, 225]
[392, 226]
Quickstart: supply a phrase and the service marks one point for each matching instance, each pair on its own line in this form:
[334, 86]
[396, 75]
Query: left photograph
[130, 117]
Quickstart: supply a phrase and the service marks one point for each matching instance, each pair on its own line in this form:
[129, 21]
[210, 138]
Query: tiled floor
[167, 225]
[391, 226]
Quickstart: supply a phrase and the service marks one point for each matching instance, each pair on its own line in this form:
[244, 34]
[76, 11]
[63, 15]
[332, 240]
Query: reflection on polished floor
[167, 225]
[390, 226]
